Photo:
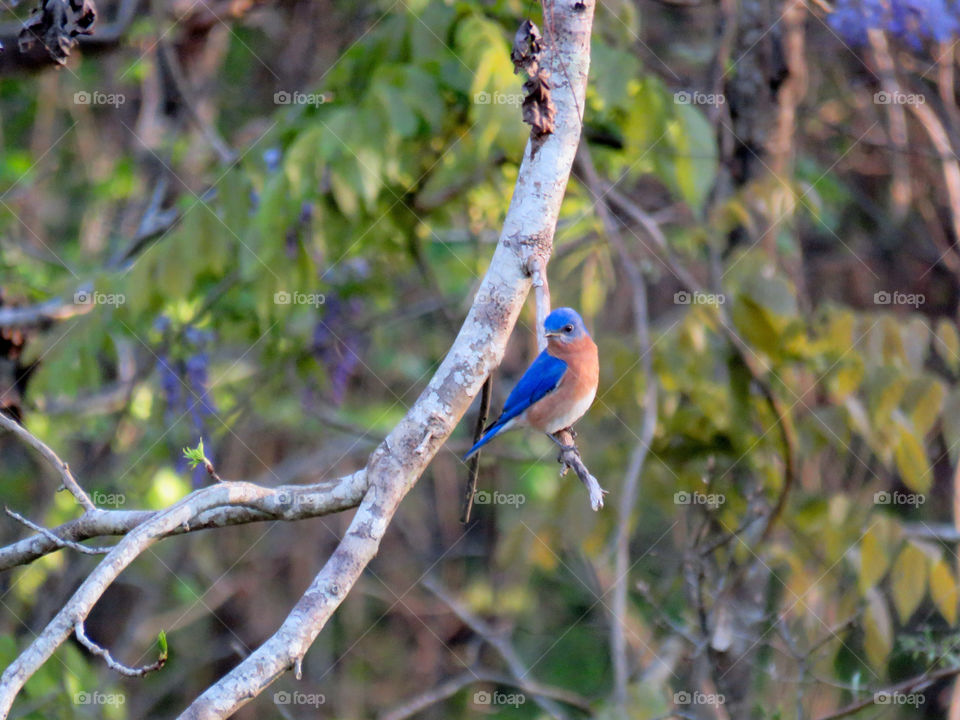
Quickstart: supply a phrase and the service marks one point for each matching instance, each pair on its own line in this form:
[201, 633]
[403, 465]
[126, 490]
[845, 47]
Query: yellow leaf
[873, 560]
[878, 638]
[924, 399]
[947, 343]
[911, 460]
[909, 580]
[943, 590]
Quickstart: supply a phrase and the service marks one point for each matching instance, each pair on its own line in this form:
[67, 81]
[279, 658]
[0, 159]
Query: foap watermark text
[885, 497]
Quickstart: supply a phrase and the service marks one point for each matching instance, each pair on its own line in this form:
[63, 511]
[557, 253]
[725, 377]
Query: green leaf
[162, 642]
[695, 160]
[943, 590]
[763, 309]
[909, 580]
[195, 455]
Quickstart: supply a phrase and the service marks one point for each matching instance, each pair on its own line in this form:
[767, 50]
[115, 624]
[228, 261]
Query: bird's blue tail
[487, 437]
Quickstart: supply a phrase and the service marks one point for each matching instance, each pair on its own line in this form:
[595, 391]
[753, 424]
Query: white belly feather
[577, 411]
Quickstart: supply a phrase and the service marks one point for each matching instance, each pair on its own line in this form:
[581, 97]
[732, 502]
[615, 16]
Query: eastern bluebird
[558, 388]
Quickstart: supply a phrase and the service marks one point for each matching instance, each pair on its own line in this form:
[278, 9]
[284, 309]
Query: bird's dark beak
[551, 334]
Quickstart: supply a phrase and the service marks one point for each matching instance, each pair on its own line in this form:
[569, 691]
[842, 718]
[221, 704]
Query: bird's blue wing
[540, 379]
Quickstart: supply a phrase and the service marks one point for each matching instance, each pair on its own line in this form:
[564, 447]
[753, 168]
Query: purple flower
[913, 21]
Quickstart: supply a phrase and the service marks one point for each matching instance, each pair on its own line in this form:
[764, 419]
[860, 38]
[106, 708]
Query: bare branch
[421, 701]
[641, 321]
[284, 502]
[538, 272]
[58, 541]
[69, 482]
[90, 645]
[474, 467]
[496, 640]
[907, 686]
[570, 459]
[120, 556]
[399, 461]
[42, 313]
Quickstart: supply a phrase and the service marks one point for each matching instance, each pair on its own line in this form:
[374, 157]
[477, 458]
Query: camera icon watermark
[882, 297]
[686, 97]
[283, 97]
[283, 697]
[484, 697]
[898, 98]
[885, 497]
[682, 297]
[92, 297]
[711, 500]
[485, 497]
[84, 97]
[282, 297]
[98, 698]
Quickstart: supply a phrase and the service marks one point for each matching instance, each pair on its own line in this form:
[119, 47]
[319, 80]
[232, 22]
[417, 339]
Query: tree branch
[496, 640]
[399, 461]
[90, 645]
[906, 687]
[120, 556]
[284, 502]
[69, 482]
[641, 321]
[54, 538]
[421, 701]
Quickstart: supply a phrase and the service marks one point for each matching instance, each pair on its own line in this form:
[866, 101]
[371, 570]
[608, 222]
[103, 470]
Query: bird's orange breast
[573, 397]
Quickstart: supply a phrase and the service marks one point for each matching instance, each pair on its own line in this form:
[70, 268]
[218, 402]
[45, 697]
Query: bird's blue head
[564, 325]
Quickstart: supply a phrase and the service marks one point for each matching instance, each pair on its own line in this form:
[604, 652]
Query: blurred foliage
[311, 286]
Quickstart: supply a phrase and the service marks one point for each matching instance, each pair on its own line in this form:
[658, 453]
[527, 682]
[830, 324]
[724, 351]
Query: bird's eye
[568, 328]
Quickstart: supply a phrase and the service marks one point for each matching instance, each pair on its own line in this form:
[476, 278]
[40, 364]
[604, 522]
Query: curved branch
[284, 502]
[123, 553]
[69, 482]
[118, 667]
[399, 461]
[401, 458]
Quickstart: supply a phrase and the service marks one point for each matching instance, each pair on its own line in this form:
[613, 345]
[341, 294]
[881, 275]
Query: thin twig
[209, 132]
[907, 686]
[541, 289]
[51, 457]
[474, 467]
[496, 640]
[284, 502]
[59, 541]
[421, 701]
[570, 459]
[108, 658]
[641, 320]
